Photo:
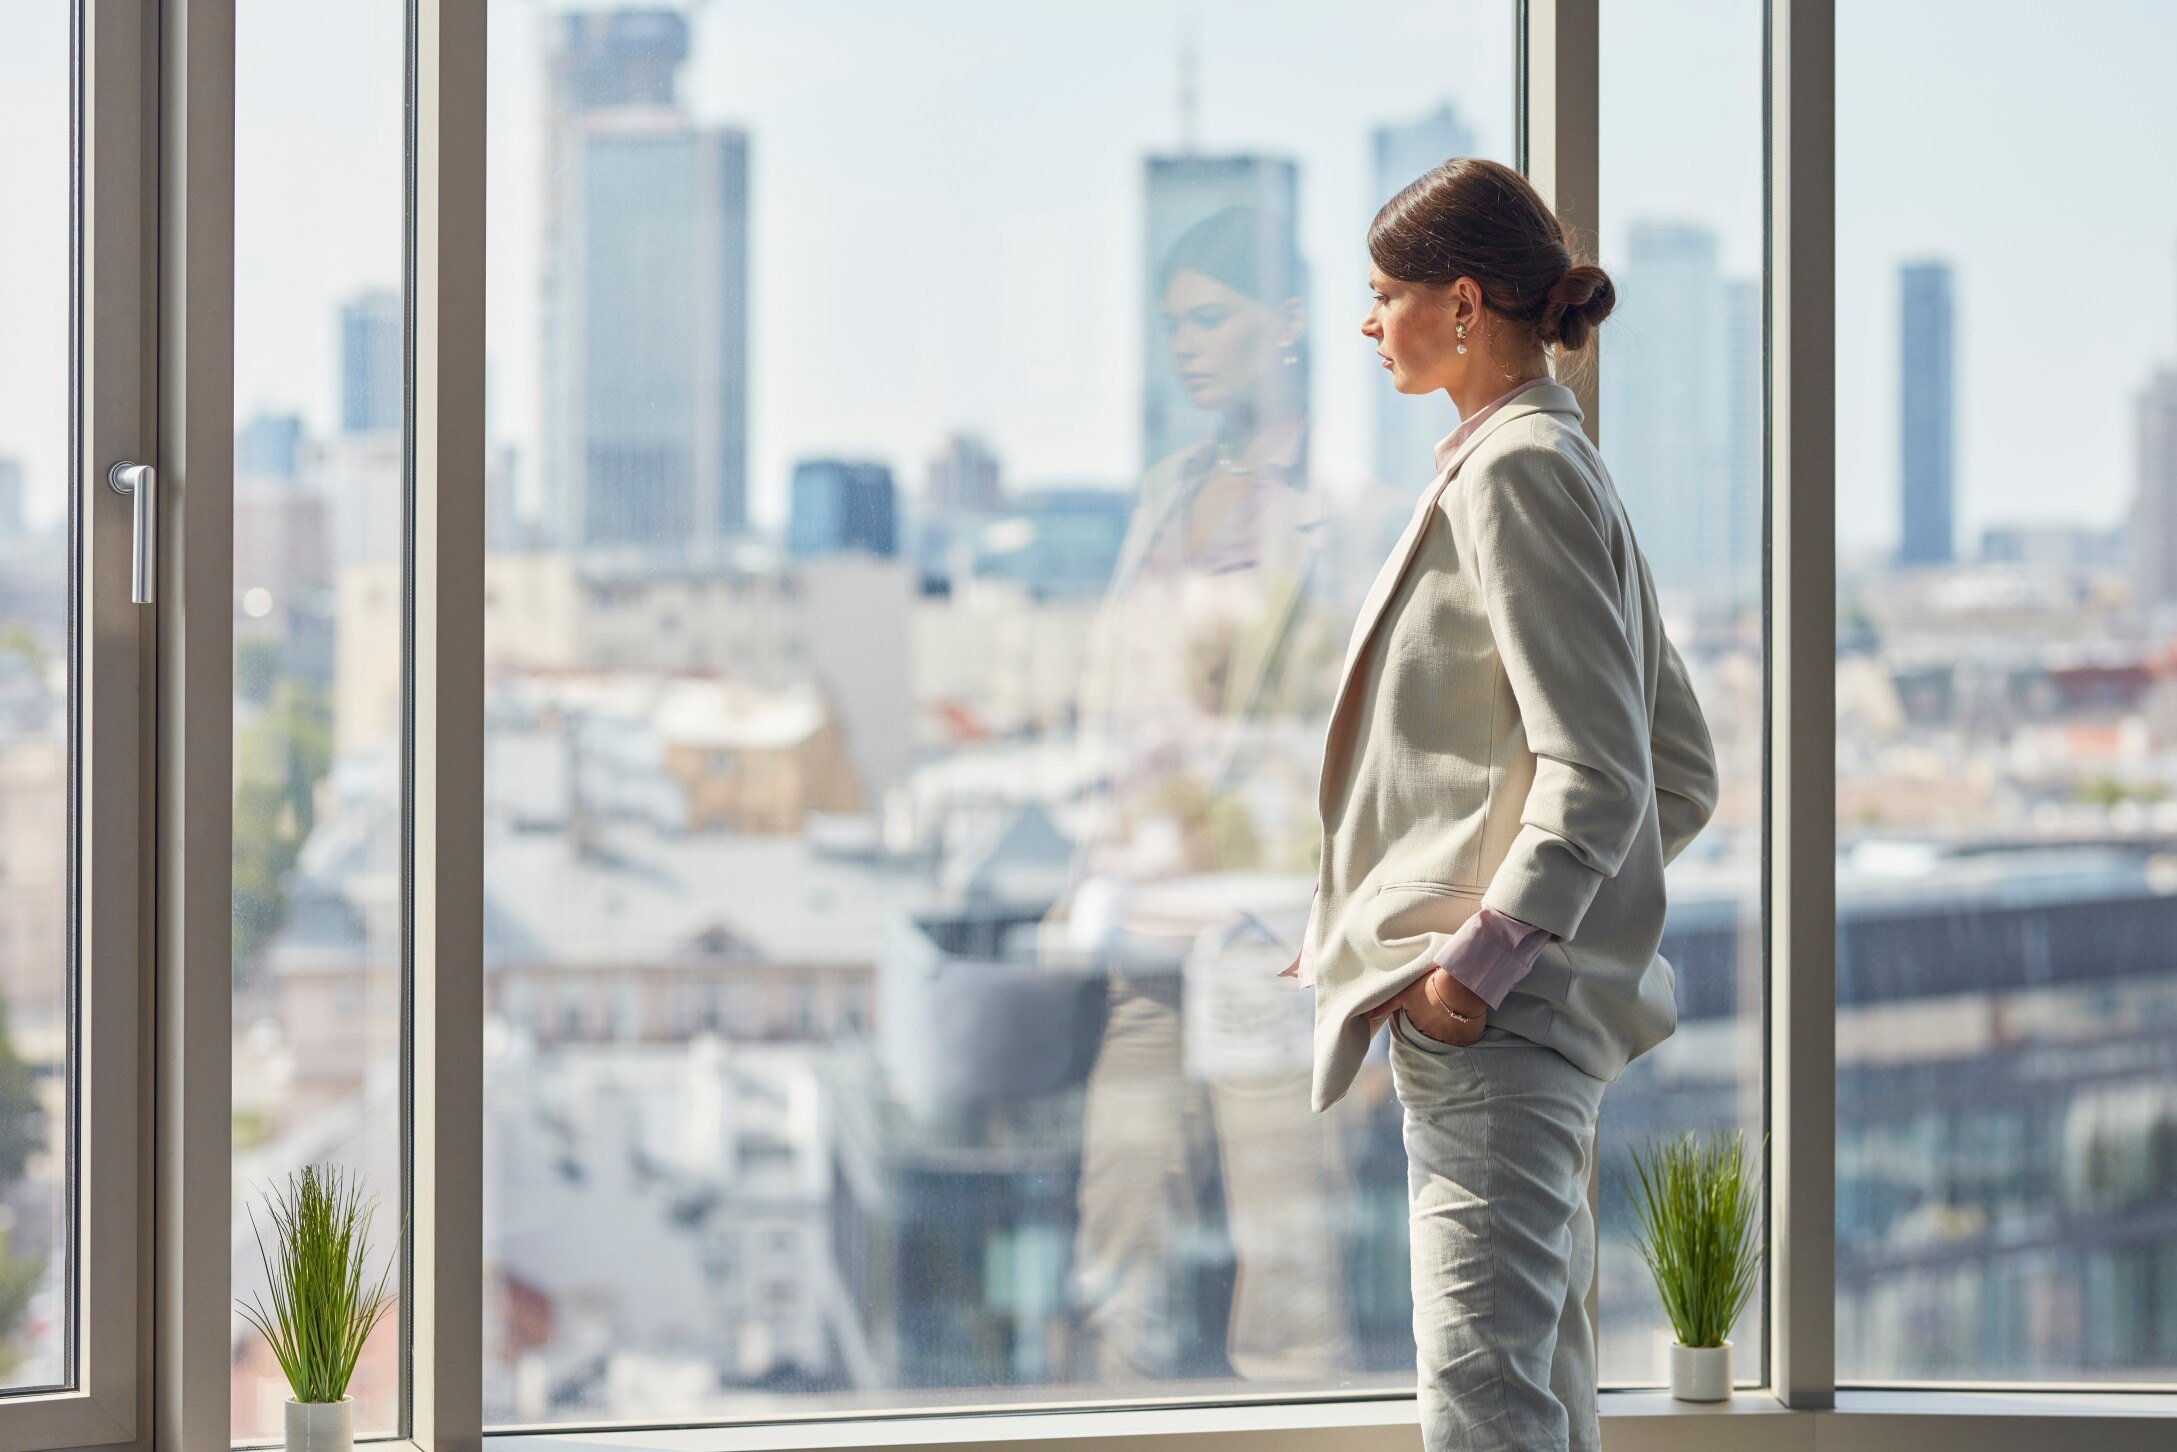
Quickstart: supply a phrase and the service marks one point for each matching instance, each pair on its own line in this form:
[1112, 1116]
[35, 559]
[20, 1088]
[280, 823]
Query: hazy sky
[947, 209]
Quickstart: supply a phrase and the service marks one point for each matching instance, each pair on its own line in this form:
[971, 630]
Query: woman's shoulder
[1541, 443]
[1544, 455]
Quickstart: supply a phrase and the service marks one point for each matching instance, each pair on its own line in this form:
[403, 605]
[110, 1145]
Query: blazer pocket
[1455, 889]
[1405, 911]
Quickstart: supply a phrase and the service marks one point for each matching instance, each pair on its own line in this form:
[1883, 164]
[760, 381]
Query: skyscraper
[1181, 191]
[1926, 403]
[370, 363]
[358, 469]
[2154, 507]
[838, 505]
[1407, 428]
[645, 300]
[964, 475]
[11, 499]
[1667, 393]
[268, 447]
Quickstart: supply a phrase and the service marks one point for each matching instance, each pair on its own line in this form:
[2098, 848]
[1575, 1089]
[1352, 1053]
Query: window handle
[140, 481]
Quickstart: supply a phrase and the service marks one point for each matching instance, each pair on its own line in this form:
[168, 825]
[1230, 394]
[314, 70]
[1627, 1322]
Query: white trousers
[1499, 1136]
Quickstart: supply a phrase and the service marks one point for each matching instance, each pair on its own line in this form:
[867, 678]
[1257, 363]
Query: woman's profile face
[1411, 323]
[1222, 342]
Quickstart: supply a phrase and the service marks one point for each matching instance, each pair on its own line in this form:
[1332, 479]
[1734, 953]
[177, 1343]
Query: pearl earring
[1462, 334]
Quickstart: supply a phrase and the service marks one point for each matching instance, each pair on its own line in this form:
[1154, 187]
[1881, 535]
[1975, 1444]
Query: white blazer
[1511, 729]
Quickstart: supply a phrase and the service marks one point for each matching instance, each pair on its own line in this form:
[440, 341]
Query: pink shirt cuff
[1489, 953]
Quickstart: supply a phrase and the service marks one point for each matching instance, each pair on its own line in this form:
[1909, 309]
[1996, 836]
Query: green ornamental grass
[321, 1312]
[1700, 1231]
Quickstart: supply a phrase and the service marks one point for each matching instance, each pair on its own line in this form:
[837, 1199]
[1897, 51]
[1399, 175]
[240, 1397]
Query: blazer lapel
[1168, 490]
[1542, 398]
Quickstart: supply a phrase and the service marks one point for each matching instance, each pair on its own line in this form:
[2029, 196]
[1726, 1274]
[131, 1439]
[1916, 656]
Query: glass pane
[36, 663]
[2006, 994]
[867, 793]
[319, 194]
[1681, 427]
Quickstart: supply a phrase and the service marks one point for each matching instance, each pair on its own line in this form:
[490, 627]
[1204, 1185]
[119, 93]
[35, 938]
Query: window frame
[158, 144]
[111, 334]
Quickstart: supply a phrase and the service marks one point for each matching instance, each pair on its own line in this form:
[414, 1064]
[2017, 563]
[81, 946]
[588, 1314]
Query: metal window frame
[1558, 122]
[167, 1332]
[114, 334]
[445, 724]
[193, 1024]
[1799, 780]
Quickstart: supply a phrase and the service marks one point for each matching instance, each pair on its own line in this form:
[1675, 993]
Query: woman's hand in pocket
[1429, 1002]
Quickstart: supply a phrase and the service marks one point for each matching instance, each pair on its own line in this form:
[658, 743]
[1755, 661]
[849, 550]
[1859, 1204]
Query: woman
[1197, 1120]
[1513, 755]
[1191, 641]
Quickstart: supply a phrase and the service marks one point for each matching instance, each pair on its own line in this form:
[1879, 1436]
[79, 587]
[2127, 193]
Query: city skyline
[2101, 123]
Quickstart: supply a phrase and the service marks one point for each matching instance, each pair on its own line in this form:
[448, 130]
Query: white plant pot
[321, 1426]
[1701, 1373]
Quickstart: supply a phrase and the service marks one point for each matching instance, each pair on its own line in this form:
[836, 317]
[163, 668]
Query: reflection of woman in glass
[1205, 822]
[1208, 595]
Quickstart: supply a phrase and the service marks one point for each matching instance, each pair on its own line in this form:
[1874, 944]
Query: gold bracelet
[1428, 993]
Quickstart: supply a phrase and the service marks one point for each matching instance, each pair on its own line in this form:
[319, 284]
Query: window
[801, 1018]
[319, 327]
[75, 653]
[776, 308]
[1681, 414]
[2006, 552]
[38, 722]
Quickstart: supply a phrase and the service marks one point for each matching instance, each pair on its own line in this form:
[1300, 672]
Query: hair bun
[1578, 301]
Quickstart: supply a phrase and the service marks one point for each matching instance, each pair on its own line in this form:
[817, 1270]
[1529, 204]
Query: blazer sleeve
[1551, 587]
[1686, 785]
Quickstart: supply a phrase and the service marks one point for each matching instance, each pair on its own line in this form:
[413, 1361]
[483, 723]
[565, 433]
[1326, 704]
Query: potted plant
[321, 1310]
[1701, 1237]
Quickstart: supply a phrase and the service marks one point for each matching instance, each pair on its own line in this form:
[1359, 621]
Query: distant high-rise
[268, 448]
[1669, 356]
[1735, 579]
[370, 363]
[11, 499]
[963, 476]
[837, 505]
[1181, 191]
[645, 300]
[1406, 427]
[1926, 404]
[2154, 507]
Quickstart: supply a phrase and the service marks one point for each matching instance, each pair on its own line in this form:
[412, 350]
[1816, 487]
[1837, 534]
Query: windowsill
[1963, 1402]
[1359, 1425]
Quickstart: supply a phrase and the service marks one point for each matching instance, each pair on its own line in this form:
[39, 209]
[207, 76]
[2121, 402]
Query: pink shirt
[1491, 951]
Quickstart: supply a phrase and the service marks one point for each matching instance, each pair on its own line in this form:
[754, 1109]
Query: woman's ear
[1465, 302]
[1292, 322]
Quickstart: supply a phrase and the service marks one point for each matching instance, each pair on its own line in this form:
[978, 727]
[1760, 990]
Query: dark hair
[1481, 219]
[1252, 250]
[1249, 249]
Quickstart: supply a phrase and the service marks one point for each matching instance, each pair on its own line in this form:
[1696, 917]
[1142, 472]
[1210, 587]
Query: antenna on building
[1189, 90]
